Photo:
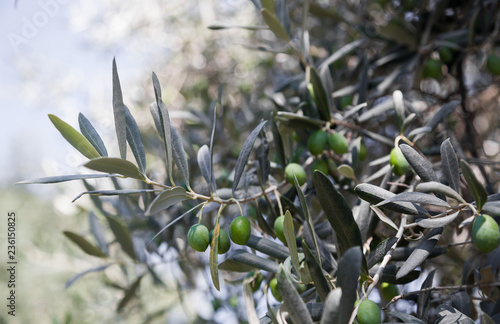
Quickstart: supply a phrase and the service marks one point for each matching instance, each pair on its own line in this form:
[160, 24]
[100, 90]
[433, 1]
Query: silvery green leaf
[119, 113]
[91, 134]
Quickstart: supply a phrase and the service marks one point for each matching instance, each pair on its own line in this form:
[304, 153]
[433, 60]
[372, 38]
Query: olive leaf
[64, 178]
[85, 245]
[274, 24]
[122, 235]
[295, 305]
[424, 297]
[322, 99]
[449, 163]
[115, 165]
[268, 247]
[119, 113]
[73, 137]
[253, 260]
[166, 199]
[421, 253]
[244, 154]
[331, 311]
[91, 134]
[134, 139]
[478, 192]
[347, 278]
[416, 197]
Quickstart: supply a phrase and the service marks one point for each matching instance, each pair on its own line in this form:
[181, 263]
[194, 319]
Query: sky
[48, 65]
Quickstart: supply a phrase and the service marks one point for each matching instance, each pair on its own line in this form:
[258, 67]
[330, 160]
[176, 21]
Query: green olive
[224, 242]
[485, 233]
[432, 69]
[320, 165]
[493, 64]
[240, 230]
[389, 291]
[298, 170]
[317, 142]
[279, 228]
[398, 161]
[338, 143]
[369, 313]
[274, 289]
[198, 237]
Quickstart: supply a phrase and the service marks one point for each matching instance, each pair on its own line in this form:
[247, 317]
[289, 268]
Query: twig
[458, 287]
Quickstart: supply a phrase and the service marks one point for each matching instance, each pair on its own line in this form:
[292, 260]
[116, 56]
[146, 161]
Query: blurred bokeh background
[55, 57]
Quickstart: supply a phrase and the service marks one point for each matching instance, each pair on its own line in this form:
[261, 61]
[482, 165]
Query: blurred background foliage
[195, 47]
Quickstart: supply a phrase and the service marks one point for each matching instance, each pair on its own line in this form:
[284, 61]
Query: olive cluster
[239, 232]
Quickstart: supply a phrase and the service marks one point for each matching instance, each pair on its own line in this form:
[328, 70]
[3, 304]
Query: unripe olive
[198, 237]
[389, 291]
[432, 69]
[485, 233]
[493, 64]
[279, 228]
[320, 165]
[298, 170]
[224, 243]
[240, 230]
[338, 143]
[273, 284]
[398, 161]
[369, 313]
[317, 142]
[255, 284]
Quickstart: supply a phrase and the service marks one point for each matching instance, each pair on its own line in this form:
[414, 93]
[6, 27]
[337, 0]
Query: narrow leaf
[85, 245]
[448, 314]
[421, 253]
[134, 139]
[166, 199]
[165, 131]
[115, 165]
[73, 279]
[416, 197]
[98, 232]
[119, 113]
[295, 305]
[234, 266]
[424, 297]
[420, 165]
[213, 187]
[268, 247]
[130, 294]
[113, 192]
[249, 305]
[437, 222]
[290, 240]
[122, 235]
[64, 178]
[244, 154]
[399, 107]
[179, 155]
[321, 283]
[274, 24]
[91, 134]
[442, 113]
[254, 261]
[438, 187]
[322, 98]
[406, 318]
[380, 214]
[204, 164]
[74, 138]
[332, 307]
[338, 213]
[214, 252]
[348, 273]
[374, 194]
[380, 251]
[449, 163]
[478, 192]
